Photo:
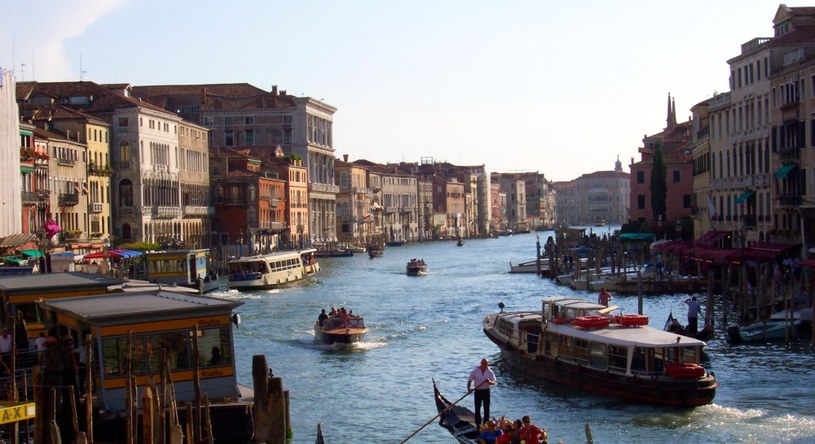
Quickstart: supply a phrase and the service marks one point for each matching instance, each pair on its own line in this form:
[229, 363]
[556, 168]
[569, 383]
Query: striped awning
[15, 240]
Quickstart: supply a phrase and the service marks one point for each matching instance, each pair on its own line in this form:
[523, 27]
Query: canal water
[425, 327]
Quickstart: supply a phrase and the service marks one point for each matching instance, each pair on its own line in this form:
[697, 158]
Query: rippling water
[425, 327]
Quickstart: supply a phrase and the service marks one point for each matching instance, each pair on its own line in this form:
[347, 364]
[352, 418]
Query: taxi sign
[16, 411]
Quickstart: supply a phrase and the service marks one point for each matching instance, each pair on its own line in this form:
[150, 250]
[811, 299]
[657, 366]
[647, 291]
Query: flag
[711, 207]
[366, 217]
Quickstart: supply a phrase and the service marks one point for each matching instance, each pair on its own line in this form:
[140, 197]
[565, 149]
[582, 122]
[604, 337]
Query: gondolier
[480, 381]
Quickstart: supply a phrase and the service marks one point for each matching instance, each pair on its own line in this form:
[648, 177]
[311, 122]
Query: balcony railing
[324, 188]
[29, 197]
[195, 210]
[789, 153]
[97, 207]
[125, 211]
[68, 200]
[789, 200]
[66, 162]
[162, 212]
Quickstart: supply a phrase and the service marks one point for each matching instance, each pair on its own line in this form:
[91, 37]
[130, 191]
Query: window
[640, 176]
[229, 138]
[641, 202]
[676, 176]
[249, 120]
[227, 120]
[686, 199]
[123, 122]
[249, 137]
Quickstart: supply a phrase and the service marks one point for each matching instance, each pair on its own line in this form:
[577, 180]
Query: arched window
[252, 193]
[125, 193]
[127, 232]
[219, 195]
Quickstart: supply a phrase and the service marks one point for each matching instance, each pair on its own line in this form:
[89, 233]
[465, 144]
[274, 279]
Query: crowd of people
[504, 431]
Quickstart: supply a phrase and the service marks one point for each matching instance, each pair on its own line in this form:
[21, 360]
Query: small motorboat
[416, 267]
[780, 325]
[340, 330]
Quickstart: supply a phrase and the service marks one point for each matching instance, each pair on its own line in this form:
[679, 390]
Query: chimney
[345, 158]
[274, 90]
[203, 96]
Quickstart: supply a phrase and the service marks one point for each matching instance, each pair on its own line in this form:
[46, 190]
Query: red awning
[809, 263]
[97, 255]
[773, 248]
[748, 254]
[714, 254]
[711, 238]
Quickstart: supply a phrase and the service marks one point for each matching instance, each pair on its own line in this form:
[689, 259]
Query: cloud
[39, 30]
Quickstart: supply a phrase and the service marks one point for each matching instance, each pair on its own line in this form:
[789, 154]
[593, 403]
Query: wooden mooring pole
[271, 409]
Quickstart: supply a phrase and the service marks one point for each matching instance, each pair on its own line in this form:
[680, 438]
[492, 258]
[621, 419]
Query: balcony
[163, 212]
[125, 211]
[789, 154]
[30, 197]
[748, 220]
[68, 200]
[97, 207]
[195, 210]
[124, 165]
[324, 188]
[65, 162]
[789, 199]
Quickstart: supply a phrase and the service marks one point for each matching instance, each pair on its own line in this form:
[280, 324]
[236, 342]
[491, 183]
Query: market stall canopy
[126, 254]
[32, 253]
[15, 240]
[637, 236]
[15, 260]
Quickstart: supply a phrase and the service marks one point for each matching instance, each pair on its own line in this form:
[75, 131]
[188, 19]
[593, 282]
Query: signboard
[16, 411]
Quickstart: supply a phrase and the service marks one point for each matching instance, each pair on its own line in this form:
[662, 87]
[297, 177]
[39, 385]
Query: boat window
[581, 351]
[617, 358]
[116, 357]
[505, 327]
[31, 312]
[214, 347]
[178, 354]
[552, 341]
[565, 347]
[599, 356]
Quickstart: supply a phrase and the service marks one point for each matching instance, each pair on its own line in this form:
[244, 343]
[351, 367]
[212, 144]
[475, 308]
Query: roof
[118, 308]
[49, 282]
[15, 240]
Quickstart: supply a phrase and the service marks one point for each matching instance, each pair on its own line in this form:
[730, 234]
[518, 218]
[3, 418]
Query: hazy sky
[558, 87]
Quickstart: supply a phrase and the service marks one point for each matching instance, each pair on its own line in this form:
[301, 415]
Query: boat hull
[340, 335]
[659, 390]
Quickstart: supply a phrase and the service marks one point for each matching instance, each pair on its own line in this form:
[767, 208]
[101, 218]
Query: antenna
[22, 71]
[81, 71]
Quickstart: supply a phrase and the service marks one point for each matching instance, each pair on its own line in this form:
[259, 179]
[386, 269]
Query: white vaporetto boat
[271, 270]
[578, 343]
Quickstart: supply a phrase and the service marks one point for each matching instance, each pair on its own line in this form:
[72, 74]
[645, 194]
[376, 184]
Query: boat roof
[573, 303]
[627, 336]
[46, 282]
[274, 256]
[125, 308]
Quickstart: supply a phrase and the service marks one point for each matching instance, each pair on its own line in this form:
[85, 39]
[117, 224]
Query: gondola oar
[452, 404]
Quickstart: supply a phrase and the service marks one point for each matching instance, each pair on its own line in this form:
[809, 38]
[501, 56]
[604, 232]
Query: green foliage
[659, 184]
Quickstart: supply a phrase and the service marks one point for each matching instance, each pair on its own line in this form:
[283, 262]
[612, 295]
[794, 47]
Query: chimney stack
[345, 158]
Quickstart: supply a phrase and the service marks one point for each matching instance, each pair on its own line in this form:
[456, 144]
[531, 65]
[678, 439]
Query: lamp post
[240, 243]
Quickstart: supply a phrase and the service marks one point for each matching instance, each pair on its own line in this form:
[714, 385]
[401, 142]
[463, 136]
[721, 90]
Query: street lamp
[240, 243]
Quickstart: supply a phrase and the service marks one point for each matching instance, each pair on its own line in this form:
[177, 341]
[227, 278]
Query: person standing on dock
[694, 310]
[481, 379]
[604, 297]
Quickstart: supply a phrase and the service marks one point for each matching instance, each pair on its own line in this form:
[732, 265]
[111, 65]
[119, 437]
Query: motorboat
[183, 268]
[342, 329]
[781, 325]
[416, 267]
[578, 343]
[271, 270]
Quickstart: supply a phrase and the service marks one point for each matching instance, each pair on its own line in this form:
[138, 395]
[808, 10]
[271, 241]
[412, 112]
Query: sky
[560, 88]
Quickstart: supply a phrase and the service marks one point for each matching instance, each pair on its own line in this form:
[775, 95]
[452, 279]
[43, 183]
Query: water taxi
[582, 344]
[416, 267]
[158, 336]
[271, 270]
[345, 329]
[186, 268]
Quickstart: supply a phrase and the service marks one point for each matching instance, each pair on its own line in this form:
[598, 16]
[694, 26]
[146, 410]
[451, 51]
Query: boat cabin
[23, 293]
[183, 325]
[189, 268]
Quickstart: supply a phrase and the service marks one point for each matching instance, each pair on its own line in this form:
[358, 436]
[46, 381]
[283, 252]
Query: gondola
[458, 420]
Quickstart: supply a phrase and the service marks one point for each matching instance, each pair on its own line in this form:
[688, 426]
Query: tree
[659, 184]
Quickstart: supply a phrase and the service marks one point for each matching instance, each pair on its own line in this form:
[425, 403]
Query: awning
[744, 196]
[782, 172]
[775, 248]
[637, 236]
[126, 254]
[14, 260]
[32, 253]
[15, 240]
[711, 238]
